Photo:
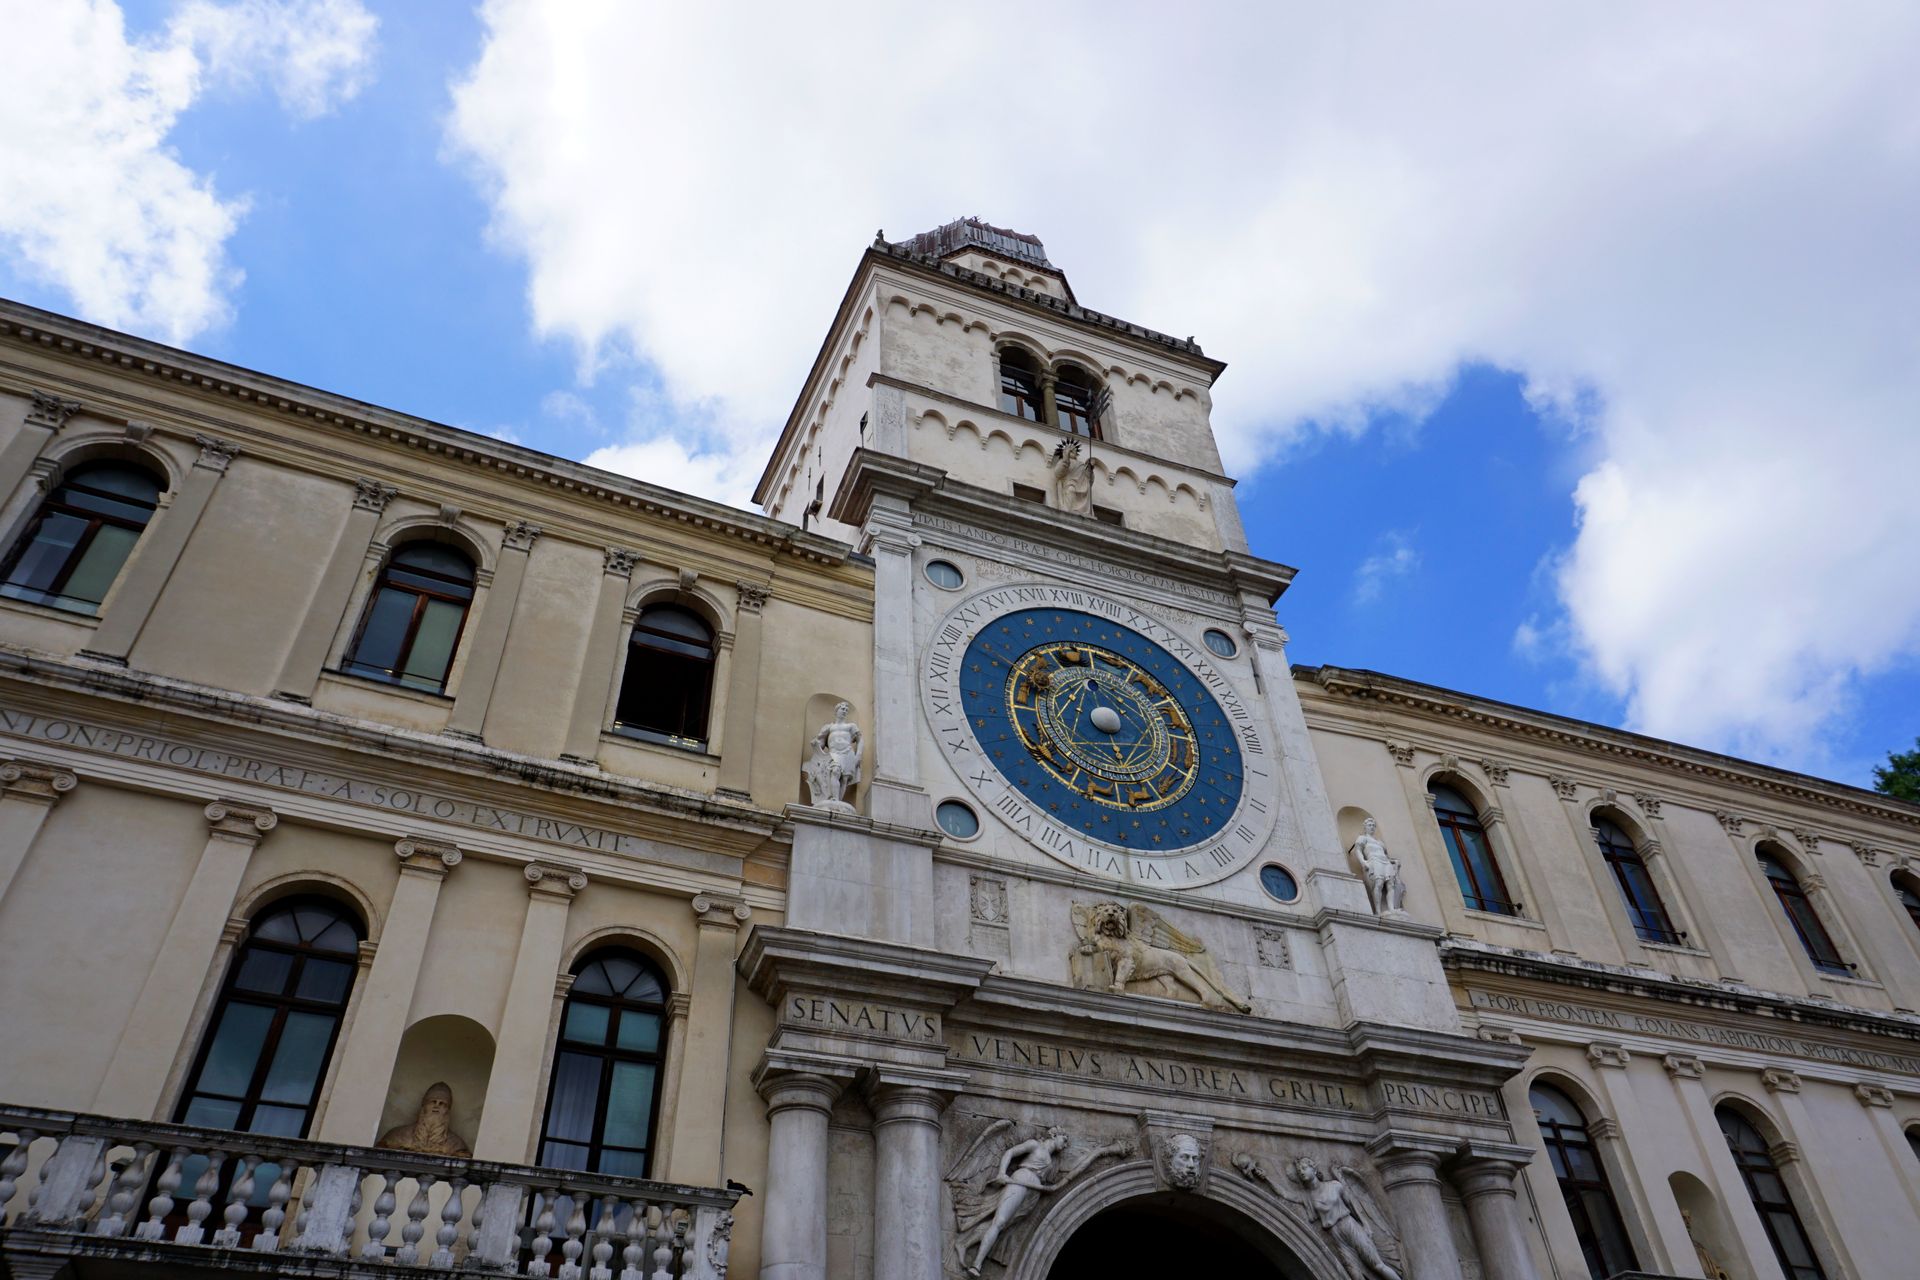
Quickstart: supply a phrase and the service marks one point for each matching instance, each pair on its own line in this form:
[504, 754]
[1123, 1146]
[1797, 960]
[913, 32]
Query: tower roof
[971, 233]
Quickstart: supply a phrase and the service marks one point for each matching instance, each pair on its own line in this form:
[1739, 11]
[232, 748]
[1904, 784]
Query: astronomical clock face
[1099, 734]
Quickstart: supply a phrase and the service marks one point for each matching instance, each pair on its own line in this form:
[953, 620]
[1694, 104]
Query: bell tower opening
[1173, 1234]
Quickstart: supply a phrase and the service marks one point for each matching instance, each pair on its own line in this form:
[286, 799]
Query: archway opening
[1173, 1234]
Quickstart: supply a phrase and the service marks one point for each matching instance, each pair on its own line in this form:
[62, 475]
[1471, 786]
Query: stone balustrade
[184, 1198]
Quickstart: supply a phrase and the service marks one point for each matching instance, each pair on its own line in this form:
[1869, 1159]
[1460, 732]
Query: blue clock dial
[1104, 730]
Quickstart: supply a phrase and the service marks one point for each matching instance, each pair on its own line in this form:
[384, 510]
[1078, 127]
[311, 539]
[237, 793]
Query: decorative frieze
[1274, 948]
[521, 535]
[1401, 752]
[215, 454]
[50, 411]
[30, 780]
[371, 495]
[620, 561]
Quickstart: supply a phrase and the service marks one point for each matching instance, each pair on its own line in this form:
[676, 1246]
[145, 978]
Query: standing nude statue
[1385, 890]
[834, 768]
[1341, 1206]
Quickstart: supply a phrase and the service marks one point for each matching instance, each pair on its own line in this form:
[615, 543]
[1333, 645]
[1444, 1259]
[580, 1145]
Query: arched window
[81, 536]
[1019, 384]
[1583, 1183]
[1801, 915]
[414, 618]
[1076, 402]
[1913, 1141]
[1903, 888]
[1481, 883]
[604, 1098]
[1648, 913]
[274, 1027]
[669, 679]
[1770, 1197]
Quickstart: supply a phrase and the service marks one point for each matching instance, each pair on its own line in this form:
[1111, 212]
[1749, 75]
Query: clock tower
[1090, 870]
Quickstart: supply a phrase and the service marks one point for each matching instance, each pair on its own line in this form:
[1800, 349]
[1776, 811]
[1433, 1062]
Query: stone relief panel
[1002, 1173]
[1275, 951]
[989, 923]
[1337, 1202]
[1133, 950]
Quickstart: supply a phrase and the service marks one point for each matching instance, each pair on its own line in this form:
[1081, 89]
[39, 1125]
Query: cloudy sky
[1575, 350]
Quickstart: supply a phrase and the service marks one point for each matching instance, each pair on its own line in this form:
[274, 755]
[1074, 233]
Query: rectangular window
[1107, 515]
[1027, 493]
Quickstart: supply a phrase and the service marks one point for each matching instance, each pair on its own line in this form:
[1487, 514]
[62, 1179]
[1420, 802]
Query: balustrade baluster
[670, 1227]
[449, 1231]
[603, 1238]
[13, 1166]
[575, 1242]
[155, 1227]
[376, 1246]
[194, 1231]
[228, 1237]
[633, 1257]
[90, 1196]
[268, 1239]
[409, 1254]
[543, 1236]
[125, 1193]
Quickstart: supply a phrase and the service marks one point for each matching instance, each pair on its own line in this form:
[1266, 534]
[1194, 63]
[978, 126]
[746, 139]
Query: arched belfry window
[272, 1032]
[81, 536]
[1020, 384]
[1076, 401]
[1629, 869]
[604, 1099]
[1481, 884]
[1771, 1199]
[668, 685]
[1800, 914]
[1907, 889]
[414, 618]
[1583, 1183]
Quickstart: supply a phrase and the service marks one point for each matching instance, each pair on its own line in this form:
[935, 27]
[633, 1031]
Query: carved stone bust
[1183, 1161]
[430, 1131]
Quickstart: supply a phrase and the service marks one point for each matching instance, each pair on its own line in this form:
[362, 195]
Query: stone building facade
[416, 850]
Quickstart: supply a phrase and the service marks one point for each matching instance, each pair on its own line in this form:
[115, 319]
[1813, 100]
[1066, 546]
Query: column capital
[1476, 1175]
[215, 454]
[554, 879]
[1873, 1095]
[1601, 1054]
[240, 820]
[787, 1090]
[620, 561]
[50, 411]
[1780, 1080]
[753, 595]
[1564, 787]
[906, 1093]
[1402, 752]
[1683, 1066]
[31, 780]
[434, 857]
[371, 495]
[720, 911]
[520, 535]
[1405, 1157]
[1649, 803]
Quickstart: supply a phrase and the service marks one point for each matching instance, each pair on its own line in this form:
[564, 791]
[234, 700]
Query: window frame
[607, 1054]
[1081, 420]
[1757, 1160]
[1022, 400]
[672, 648]
[283, 1005]
[1906, 893]
[54, 595]
[1797, 906]
[1452, 827]
[350, 663]
[1559, 1138]
[1651, 920]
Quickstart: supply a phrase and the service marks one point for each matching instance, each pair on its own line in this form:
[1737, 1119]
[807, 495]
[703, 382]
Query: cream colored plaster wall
[805, 654]
[549, 637]
[241, 589]
[470, 953]
[81, 923]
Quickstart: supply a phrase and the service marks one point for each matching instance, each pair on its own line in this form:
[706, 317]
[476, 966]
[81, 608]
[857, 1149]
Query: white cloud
[689, 465]
[1689, 228]
[93, 199]
[1397, 558]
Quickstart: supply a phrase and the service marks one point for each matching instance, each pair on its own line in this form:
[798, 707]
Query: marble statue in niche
[1709, 1265]
[1072, 478]
[1385, 889]
[1342, 1207]
[834, 768]
[999, 1178]
[1126, 945]
[430, 1131]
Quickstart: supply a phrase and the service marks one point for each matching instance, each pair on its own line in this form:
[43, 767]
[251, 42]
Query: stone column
[1686, 1073]
[1798, 1130]
[45, 416]
[157, 552]
[895, 794]
[906, 1174]
[1484, 1177]
[743, 693]
[1879, 1104]
[793, 1235]
[1702, 931]
[28, 792]
[699, 1106]
[371, 1041]
[1620, 1133]
[1612, 904]
[601, 665]
[300, 671]
[489, 644]
[507, 1119]
[137, 1074]
[1409, 1167]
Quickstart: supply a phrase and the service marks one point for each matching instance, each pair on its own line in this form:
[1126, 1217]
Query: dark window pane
[593, 980]
[626, 1164]
[278, 927]
[676, 623]
[235, 1051]
[575, 1095]
[136, 486]
[46, 554]
[434, 559]
[586, 1023]
[386, 630]
[639, 1031]
[629, 1104]
[432, 651]
[563, 1155]
[100, 563]
[214, 1113]
[1447, 800]
[281, 1122]
[340, 936]
[299, 1058]
[263, 970]
[326, 980]
[620, 971]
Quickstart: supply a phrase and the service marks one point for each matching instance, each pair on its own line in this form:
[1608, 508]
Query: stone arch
[458, 534]
[664, 589]
[312, 883]
[444, 1048]
[101, 446]
[1703, 1215]
[1115, 1186]
[679, 977]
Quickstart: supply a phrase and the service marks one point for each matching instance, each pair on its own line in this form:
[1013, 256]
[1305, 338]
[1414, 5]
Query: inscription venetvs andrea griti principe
[1101, 735]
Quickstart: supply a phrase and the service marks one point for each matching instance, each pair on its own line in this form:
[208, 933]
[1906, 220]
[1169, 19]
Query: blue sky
[1572, 359]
